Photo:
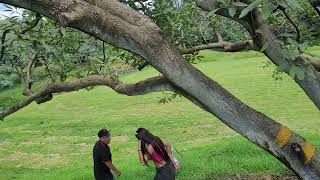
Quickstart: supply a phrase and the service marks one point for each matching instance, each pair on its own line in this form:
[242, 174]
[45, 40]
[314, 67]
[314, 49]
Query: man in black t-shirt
[102, 157]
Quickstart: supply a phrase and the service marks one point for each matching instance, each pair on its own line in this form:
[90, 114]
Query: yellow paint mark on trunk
[308, 150]
[283, 136]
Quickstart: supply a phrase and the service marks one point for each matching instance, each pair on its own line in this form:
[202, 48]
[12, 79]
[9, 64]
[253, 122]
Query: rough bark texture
[316, 64]
[28, 90]
[223, 46]
[123, 27]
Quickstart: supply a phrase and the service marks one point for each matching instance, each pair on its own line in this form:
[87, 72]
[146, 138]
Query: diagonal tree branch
[283, 10]
[314, 61]
[316, 64]
[217, 33]
[224, 46]
[3, 39]
[155, 84]
[28, 90]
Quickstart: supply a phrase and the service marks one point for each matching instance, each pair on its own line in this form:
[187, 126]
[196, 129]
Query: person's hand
[118, 173]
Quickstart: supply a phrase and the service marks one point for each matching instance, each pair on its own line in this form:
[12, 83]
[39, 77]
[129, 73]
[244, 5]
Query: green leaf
[297, 71]
[295, 4]
[303, 46]
[222, 1]
[293, 42]
[267, 9]
[264, 47]
[213, 12]
[240, 4]
[7, 6]
[282, 67]
[8, 42]
[282, 3]
[285, 35]
[292, 71]
[300, 74]
[232, 11]
[310, 73]
[248, 9]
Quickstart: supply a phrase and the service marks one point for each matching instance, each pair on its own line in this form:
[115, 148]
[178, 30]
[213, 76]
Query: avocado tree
[132, 25]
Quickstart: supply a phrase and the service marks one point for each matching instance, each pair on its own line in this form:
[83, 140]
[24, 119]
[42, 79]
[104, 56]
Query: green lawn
[54, 140]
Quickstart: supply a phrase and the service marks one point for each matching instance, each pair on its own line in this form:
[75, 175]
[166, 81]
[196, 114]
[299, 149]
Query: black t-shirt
[101, 154]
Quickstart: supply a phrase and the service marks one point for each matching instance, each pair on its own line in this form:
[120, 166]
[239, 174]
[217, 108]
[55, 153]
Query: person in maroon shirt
[151, 147]
[102, 157]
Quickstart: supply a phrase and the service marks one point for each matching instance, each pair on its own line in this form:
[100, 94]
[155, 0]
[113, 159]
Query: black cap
[103, 132]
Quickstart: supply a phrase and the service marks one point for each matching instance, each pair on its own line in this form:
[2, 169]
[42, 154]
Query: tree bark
[223, 46]
[123, 27]
[28, 90]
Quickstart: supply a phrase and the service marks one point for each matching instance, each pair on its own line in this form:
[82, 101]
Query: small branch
[224, 46]
[314, 61]
[3, 38]
[34, 23]
[104, 54]
[47, 68]
[290, 20]
[28, 90]
[143, 65]
[218, 34]
[220, 46]
[16, 68]
[315, 64]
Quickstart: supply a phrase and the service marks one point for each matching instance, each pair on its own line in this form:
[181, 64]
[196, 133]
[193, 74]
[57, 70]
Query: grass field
[54, 140]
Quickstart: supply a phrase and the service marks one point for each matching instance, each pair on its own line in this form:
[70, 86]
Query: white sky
[4, 14]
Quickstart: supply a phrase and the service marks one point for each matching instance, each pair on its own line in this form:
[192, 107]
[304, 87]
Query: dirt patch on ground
[35, 160]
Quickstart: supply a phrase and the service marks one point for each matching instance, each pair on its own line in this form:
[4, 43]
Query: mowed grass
[54, 140]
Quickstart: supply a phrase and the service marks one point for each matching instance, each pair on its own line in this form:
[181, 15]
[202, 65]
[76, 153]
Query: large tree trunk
[123, 27]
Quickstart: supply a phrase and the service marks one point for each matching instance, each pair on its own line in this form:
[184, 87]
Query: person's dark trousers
[166, 172]
[105, 177]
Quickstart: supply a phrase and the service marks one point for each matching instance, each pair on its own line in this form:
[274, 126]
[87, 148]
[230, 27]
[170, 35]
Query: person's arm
[169, 150]
[105, 155]
[113, 168]
[142, 158]
[168, 147]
